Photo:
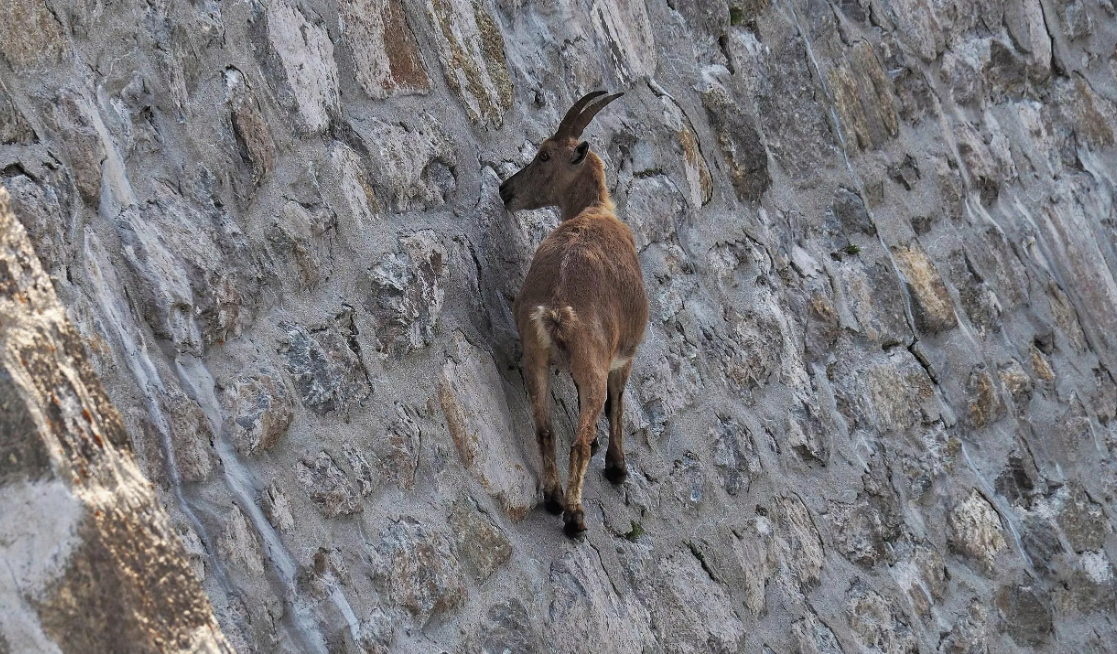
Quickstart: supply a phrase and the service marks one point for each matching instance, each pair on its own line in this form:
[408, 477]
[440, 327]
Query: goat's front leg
[592, 388]
[537, 380]
[615, 469]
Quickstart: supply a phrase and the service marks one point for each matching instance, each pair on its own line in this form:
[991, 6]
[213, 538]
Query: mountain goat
[582, 306]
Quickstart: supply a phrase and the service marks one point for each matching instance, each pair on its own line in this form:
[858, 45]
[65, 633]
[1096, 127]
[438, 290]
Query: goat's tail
[555, 325]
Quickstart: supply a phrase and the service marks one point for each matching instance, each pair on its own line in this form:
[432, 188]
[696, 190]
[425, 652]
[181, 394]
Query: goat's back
[589, 264]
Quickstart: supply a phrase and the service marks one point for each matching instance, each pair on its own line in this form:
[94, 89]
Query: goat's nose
[505, 193]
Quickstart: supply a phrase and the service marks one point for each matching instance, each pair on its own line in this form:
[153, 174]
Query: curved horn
[572, 115]
[586, 116]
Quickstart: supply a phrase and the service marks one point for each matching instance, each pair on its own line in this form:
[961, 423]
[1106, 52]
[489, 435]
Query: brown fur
[582, 306]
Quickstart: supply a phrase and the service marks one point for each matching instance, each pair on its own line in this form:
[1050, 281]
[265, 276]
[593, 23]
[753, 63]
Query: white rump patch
[540, 328]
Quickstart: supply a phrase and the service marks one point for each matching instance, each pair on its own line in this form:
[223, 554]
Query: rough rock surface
[92, 561]
[876, 407]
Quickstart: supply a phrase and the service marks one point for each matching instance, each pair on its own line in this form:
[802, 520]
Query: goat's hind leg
[592, 391]
[615, 469]
[536, 378]
[595, 444]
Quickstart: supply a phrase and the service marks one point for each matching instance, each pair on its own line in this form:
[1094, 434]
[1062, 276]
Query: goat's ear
[580, 153]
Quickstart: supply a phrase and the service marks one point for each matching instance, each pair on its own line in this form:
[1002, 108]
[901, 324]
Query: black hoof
[595, 445]
[575, 524]
[616, 475]
[553, 505]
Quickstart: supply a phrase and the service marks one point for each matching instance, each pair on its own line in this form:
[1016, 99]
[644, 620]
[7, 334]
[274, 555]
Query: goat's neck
[588, 190]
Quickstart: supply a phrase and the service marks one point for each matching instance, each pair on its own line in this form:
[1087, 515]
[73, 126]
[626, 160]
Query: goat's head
[558, 163]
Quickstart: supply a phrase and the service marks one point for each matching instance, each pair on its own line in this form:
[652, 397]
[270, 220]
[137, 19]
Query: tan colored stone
[1041, 367]
[985, 405]
[1017, 383]
[30, 34]
[976, 528]
[699, 182]
[697, 174]
[479, 543]
[865, 99]
[931, 303]
[472, 52]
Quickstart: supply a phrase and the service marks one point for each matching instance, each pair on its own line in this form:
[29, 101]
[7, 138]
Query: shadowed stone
[253, 136]
[850, 211]
[740, 143]
[13, 126]
[327, 373]
[507, 627]
[1025, 612]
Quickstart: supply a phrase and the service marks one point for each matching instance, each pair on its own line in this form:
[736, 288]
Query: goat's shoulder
[596, 224]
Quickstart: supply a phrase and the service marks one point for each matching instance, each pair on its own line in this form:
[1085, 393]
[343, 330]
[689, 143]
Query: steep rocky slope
[875, 410]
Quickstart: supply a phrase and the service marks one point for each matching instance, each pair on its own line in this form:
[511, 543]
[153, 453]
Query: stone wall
[875, 410]
[91, 560]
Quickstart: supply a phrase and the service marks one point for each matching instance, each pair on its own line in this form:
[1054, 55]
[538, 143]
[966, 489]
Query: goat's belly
[560, 358]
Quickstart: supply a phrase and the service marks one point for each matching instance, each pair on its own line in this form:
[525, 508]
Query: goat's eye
[543, 156]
